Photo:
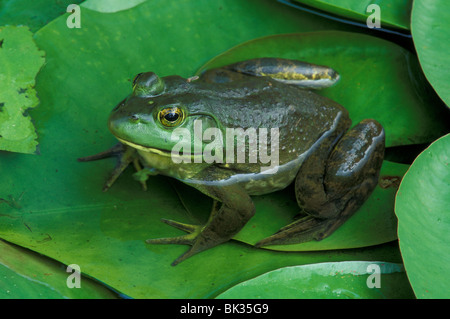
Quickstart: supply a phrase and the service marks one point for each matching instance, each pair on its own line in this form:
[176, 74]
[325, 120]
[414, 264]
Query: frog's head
[160, 115]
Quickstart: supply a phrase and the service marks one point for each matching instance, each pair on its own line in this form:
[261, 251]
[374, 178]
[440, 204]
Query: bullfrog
[287, 132]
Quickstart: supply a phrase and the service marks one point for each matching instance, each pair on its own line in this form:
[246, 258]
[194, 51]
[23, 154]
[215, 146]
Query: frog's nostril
[134, 118]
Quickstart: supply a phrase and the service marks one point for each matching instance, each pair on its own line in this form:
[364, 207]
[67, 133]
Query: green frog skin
[334, 167]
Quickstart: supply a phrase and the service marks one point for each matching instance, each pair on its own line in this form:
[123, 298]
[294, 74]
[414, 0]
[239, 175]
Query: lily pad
[341, 280]
[54, 205]
[33, 14]
[393, 13]
[27, 275]
[430, 25]
[20, 60]
[422, 207]
[110, 5]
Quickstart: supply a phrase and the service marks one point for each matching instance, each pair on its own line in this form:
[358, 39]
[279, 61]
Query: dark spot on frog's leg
[21, 91]
[1, 43]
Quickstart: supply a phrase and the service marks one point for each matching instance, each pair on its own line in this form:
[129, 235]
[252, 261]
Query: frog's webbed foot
[235, 210]
[125, 156]
[303, 230]
[193, 238]
[188, 239]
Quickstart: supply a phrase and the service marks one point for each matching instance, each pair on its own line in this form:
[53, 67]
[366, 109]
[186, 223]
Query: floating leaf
[20, 60]
[60, 200]
[341, 280]
[27, 275]
[430, 25]
[34, 14]
[393, 13]
[110, 5]
[422, 207]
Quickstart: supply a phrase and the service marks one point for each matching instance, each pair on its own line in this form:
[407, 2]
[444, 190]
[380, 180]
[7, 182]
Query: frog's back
[301, 116]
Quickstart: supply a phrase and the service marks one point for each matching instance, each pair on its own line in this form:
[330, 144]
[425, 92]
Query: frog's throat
[156, 150]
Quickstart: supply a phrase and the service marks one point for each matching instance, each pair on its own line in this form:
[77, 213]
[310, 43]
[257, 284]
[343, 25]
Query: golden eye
[171, 116]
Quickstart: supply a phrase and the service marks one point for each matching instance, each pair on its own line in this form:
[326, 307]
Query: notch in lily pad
[147, 84]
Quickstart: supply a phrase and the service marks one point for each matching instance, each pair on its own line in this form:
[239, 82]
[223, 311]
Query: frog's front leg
[125, 156]
[235, 210]
[331, 193]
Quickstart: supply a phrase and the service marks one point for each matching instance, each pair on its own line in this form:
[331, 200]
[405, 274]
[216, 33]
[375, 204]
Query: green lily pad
[34, 14]
[341, 280]
[28, 275]
[111, 5]
[422, 207]
[430, 25]
[54, 205]
[20, 60]
[378, 79]
[393, 13]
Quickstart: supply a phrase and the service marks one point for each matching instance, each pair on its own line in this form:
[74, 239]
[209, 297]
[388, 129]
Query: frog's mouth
[158, 151]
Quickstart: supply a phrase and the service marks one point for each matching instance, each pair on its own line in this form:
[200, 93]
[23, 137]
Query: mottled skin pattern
[334, 169]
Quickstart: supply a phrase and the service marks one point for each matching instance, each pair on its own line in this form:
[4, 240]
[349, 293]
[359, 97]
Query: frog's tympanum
[334, 168]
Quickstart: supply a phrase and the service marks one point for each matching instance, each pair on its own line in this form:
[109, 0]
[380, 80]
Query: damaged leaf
[20, 60]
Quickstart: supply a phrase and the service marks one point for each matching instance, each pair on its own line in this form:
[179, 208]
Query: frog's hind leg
[330, 194]
[301, 230]
[288, 71]
[192, 230]
[224, 222]
[301, 74]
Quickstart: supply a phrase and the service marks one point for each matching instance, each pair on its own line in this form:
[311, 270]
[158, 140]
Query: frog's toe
[117, 149]
[192, 239]
[189, 253]
[302, 230]
[188, 228]
[188, 239]
[125, 155]
[180, 240]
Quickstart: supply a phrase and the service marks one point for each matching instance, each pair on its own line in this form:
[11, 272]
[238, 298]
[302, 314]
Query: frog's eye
[171, 116]
[147, 84]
